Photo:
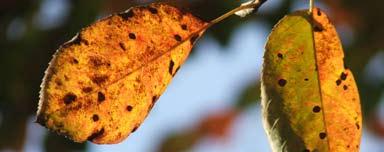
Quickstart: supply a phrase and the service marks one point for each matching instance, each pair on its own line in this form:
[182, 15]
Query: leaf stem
[242, 7]
[311, 5]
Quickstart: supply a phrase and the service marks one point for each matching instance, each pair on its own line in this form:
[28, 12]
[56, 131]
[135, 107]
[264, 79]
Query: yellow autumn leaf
[102, 84]
[310, 100]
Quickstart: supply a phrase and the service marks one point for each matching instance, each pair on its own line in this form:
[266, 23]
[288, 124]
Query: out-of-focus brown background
[31, 31]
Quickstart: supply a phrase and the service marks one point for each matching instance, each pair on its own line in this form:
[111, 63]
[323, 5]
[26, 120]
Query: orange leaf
[102, 84]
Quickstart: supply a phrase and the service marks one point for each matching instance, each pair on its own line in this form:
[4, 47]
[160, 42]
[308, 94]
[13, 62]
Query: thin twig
[242, 7]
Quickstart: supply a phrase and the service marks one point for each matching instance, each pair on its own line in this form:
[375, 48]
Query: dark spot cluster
[100, 97]
[96, 134]
[343, 77]
[126, 15]
[69, 98]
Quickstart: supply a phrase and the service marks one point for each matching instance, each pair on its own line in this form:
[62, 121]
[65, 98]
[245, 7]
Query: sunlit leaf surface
[102, 84]
[310, 100]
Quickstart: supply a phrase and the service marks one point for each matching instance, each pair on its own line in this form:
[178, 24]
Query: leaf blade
[115, 70]
[338, 85]
[293, 89]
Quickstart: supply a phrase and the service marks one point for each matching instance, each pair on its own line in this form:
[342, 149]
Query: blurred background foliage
[31, 31]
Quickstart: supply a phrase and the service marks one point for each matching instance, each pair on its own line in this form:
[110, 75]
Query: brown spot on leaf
[132, 36]
[345, 87]
[58, 82]
[318, 12]
[95, 117]
[343, 76]
[129, 108]
[126, 15]
[66, 78]
[322, 135]
[100, 97]
[77, 40]
[184, 27]
[338, 82]
[98, 62]
[306, 79]
[69, 98]
[177, 69]
[282, 82]
[280, 55]
[75, 61]
[152, 10]
[134, 129]
[307, 150]
[170, 68]
[122, 46]
[154, 99]
[316, 109]
[87, 89]
[357, 126]
[99, 79]
[317, 28]
[177, 37]
[96, 134]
